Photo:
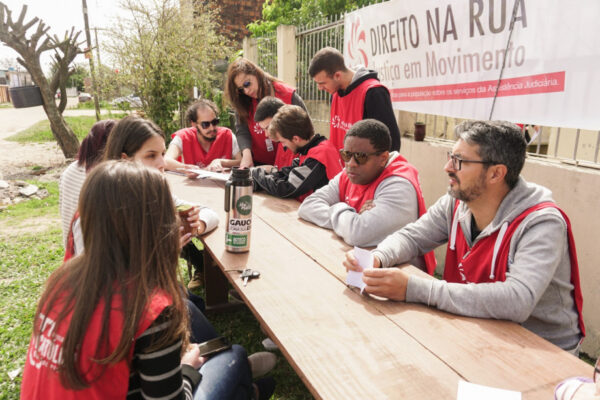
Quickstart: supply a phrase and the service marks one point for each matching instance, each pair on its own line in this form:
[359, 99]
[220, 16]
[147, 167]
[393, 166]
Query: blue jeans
[200, 329]
[226, 376]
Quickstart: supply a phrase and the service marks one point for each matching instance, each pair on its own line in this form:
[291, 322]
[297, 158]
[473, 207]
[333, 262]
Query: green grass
[41, 132]
[26, 261]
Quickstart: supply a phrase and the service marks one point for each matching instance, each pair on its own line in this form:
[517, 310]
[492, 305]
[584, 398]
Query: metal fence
[267, 52]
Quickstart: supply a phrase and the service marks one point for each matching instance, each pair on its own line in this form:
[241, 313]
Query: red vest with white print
[487, 260]
[347, 110]
[194, 154]
[40, 377]
[263, 148]
[356, 195]
[283, 157]
[326, 154]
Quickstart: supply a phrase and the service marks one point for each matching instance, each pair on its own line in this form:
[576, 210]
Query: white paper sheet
[472, 391]
[365, 260]
[217, 176]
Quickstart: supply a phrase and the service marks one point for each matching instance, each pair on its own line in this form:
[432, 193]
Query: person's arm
[297, 101]
[418, 238]
[173, 153]
[378, 105]
[394, 206]
[206, 215]
[236, 157]
[315, 208]
[291, 181]
[539, 247]
[161, 373]
[244, 140]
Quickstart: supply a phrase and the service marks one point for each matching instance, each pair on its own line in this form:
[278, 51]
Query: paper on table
[365, 260]
[218, 176]
[472, 391]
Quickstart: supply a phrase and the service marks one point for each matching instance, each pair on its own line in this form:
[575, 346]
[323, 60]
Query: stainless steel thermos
[238, 204]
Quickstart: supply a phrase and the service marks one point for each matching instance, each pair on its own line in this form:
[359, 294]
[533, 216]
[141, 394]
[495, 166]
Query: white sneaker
[261, 363]
[269, 345]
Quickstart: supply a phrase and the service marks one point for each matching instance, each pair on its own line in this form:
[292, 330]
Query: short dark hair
[376, 131]
[500, 142]
[129, 135]
[292, 121]
[92, 147]
[327, 59]
[192, 111]
[267, 108]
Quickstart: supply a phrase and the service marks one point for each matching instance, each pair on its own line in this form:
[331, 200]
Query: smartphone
[213, 346]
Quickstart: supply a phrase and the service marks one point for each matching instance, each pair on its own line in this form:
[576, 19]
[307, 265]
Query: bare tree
[14, 35]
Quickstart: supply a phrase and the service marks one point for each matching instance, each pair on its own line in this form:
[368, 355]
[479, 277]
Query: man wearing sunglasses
[510, 250]
[356, 95]
[316, 160]
[205, 144]
[377, 193]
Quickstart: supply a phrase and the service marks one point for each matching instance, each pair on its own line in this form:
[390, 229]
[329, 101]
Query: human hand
[216, 165]
[198, 226]
[184, 238]
[351, 263]
[390, 283]
[192, 356]
[367, 206]
[247, 161]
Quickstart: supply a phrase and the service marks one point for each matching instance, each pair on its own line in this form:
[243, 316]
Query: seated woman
[113, 323]
[69, 186]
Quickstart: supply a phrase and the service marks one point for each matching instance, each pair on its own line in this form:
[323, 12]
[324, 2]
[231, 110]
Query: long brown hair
[129, 135]
[240, 101]
[131, 251]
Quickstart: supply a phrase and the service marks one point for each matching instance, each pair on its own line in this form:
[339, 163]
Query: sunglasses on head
[244, 86]
[206, 124]
[359, 157]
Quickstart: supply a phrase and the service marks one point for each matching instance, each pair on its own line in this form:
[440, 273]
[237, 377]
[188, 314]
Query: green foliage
[300, 12]
[77, 74]
[164, 49]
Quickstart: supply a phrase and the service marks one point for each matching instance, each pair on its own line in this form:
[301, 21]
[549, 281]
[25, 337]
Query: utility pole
[98, 53]
[89, 50]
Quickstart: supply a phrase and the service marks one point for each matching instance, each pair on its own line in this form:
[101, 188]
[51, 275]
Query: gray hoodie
[537, 292]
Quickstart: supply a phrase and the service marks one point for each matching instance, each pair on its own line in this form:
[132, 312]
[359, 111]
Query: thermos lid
[240, 173]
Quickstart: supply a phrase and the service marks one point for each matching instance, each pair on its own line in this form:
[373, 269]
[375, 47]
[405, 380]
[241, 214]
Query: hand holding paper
[365, 260]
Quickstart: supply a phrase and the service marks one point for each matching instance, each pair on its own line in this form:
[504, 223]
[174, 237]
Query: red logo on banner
[357, 44]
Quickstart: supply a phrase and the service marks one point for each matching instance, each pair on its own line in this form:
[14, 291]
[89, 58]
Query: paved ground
[13, 155]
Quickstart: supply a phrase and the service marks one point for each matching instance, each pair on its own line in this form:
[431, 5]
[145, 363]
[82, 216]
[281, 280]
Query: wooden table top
[345, 345]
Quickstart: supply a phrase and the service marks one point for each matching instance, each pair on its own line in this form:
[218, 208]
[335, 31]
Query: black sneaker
[265, 388]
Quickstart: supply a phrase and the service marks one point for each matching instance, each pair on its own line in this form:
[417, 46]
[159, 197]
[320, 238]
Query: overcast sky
[61, 15]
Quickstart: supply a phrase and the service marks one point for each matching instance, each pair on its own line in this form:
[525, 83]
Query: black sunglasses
[244, 86]
[206, 124]
[359, 157]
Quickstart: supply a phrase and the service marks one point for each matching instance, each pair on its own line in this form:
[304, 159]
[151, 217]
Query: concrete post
[250, 49]
[286, 54]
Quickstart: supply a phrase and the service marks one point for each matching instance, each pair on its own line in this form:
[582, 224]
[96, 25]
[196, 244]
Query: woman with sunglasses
[112, 323]
[246, 85]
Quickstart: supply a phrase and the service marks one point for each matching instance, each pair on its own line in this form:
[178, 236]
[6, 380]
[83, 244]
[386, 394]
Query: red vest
[194, 154]
[40, 379]
[263, 148]
[326, 154]
[347, 110]
[356, 195]
[283, 157]
[479, 265]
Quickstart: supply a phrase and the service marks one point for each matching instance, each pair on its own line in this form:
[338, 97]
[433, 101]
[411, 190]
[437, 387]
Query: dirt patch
[29, 226]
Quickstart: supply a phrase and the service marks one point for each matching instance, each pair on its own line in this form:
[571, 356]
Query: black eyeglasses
[206, 124]
[359, 157]
[244, 86]
[457, 161]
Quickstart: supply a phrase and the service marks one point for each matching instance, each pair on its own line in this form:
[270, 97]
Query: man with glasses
[510, 251]
[316, 160]
[356, 95]
[205, 144]
[377, 193]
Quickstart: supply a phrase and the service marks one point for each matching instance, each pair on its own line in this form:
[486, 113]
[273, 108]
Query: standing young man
[356, 95]
[316, 160]
[205, 144]
[510, 253]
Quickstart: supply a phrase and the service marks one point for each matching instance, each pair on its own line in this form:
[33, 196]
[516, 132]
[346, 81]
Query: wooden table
[347, 346]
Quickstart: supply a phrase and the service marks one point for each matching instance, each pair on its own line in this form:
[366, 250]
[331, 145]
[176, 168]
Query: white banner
[447, 57]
